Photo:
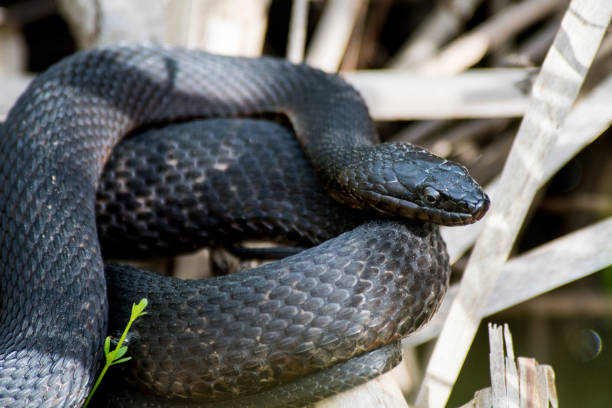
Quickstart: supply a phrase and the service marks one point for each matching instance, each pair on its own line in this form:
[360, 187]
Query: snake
[276, 327]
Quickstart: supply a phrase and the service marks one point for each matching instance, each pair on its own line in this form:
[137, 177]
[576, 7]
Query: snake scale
[212, 341]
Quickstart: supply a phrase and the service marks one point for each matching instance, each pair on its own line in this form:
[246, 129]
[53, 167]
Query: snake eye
[431, 195]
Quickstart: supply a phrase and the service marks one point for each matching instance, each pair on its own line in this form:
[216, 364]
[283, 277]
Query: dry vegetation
[495, 84]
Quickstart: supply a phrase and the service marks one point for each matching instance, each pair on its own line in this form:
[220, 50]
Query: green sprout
[116, 356]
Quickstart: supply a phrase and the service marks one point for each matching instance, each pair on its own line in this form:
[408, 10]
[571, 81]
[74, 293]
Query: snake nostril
[483, 206]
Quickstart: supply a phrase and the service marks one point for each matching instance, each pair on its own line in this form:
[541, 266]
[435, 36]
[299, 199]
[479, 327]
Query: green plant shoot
[116, 356]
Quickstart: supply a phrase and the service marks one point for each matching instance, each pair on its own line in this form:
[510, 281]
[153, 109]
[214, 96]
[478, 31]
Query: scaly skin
[55, 141]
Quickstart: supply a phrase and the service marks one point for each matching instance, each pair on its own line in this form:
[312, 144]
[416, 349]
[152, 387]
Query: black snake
[277, 325]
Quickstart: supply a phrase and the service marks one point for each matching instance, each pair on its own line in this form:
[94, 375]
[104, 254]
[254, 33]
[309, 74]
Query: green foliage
[116, 356]
[606, 277]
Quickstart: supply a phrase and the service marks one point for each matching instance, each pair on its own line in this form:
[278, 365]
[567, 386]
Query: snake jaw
[404, 208]
[390, 205]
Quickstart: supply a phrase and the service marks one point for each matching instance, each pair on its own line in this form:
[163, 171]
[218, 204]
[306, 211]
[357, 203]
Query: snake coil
[211, 341]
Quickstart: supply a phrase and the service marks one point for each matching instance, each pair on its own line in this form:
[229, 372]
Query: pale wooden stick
[230, 27]
[587, 120]
[606, 46]
[554, 92]
[439, 27]
[12, 50]
[110, 21]
[350, 59]
[297, 31]
[471, 47]
[497, 368]
[512, 380]
[395, 94]
[549, 376]
[409, 373]
[553, 265]
[526, 384]
[332, 34]
[382, 392]
[12, 86]
[540, 270]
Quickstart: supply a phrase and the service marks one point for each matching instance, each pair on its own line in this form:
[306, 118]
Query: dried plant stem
[554, 92]
[471, 47]
[333, 33]
[439, 27]
[297, 31]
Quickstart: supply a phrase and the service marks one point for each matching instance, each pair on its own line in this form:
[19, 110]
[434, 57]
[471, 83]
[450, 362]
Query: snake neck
[340, 172]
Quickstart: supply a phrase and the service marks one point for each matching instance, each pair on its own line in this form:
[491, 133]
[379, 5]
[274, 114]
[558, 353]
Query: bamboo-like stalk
[297, 31]
[12, 49]
[108, 21]
[230, 27]
[554, 92]
[588, 119]
[12, 86]
[514, 382]
[333, 33]
[382, 392]
[556, 263]
[540, 270]
[468, 49]
[439, 27]
[395, 94]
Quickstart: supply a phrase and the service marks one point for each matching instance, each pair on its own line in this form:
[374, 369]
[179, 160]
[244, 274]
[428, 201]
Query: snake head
[409, 181]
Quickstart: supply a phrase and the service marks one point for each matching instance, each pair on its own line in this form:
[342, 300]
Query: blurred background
[452, 76]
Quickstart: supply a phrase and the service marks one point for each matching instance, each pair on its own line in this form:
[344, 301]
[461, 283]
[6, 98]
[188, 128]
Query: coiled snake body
[206, 341]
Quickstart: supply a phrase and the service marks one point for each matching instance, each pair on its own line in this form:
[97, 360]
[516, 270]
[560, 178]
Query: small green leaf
[107, 353]
[120, 352]
[107, 345]
[137, 309]
[144, 302]
[123, 360]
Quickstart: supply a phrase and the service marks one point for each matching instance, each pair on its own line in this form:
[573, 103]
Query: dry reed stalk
[332, 34]
[297, 31]
[229, 27]
[518, 382]
[538, 271]
[440, 26]
[395, 94]
[468, 49]
[554, 92]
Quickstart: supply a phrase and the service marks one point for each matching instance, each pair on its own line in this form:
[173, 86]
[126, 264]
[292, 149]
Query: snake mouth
[481, 208]
[405, 208]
